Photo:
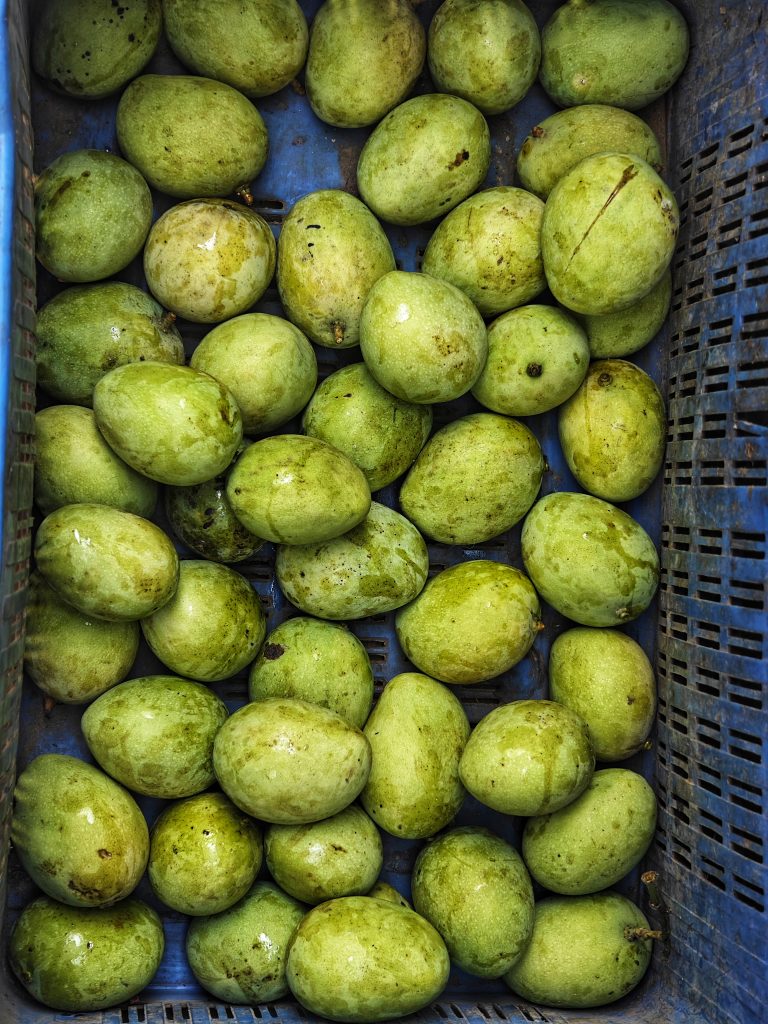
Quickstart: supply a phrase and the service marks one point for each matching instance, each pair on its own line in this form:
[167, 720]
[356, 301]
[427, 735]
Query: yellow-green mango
[583, 952]
[597, 839]
[78, 834]
[385, 891]
[475, 478]
[364, 59]
[379, 565]
[106, 563]
[346, 963]
[614, 335]
[592, 562]
[528, 757]
[266, 751]
[155, 735]
[417, 732]
[474, 888]
[83, 959]
[330, 253]
[424, 158]
[472, 621]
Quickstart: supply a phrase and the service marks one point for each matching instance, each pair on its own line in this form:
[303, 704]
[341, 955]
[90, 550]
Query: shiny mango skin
[78, 834]
[616, 335]
[360, 959]
[588, 559]
[79, 960]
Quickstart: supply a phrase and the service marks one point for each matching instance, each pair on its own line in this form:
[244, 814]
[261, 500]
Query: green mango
[378, 565]
[89, 49]
[537, 358]
[380, 433]
[92, 214]
[422, 339]
[265, 362]
[79, 960]
[608, 233]
[213, 625]
[257, 47]
[489, 247]
[169, 127]
[71, 657]
[364, 59]
[346, 961]
[472, 621]
[265, 752]
[487, 53]
[155, 735]
[209, 259]
[171, 423]
[583, 952]
[73, 463]
[292, 489]
[623, 52]
[614, 335]
[330, 253]
[204, 855]
[338, 856]
[592, 562]
[106, 563]
[385, 891]
[560, 141]
[473, 887]
[528, 757]
[597, 839]
[417, 731]
[320, 662]
[424, 158]
[238, 955]
[606, 678]
[475, 478]
[85, 331]
[613, 430]
[78, 834]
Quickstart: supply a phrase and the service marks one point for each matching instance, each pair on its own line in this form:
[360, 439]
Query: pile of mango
[529, 299]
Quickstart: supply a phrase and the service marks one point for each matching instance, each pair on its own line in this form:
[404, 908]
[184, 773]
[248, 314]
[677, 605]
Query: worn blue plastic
[706, 511]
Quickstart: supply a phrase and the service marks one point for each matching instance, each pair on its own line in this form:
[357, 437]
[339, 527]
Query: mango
[79, 835]
[422, 339]
[346, 963]
[606, 678]
[330, 253]
[238, 955]
[106, 563]
[473, 887]
[592, 562]
[92, 214]
[489, 246]
[582, 953]
[264, 753]
[320, 662]
[385, 891]
[79, 960]
[170, 423]
[613, 430]
[87, 330]
[425, 157]
[614, 335]
[472, 621]
[475, 478]
[154, 734]
[212, 626]
[608, 233]
[597, 839]
[169, 127]
[378, 565]
[364, 59]
[623, 52]
[204, 855]
[417, 732]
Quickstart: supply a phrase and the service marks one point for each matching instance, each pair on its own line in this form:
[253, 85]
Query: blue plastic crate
[707, 511]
